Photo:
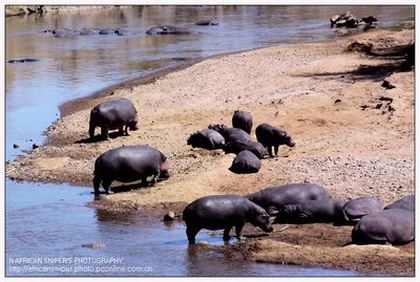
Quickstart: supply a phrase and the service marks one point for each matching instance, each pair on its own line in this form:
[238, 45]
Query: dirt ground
[353, 136]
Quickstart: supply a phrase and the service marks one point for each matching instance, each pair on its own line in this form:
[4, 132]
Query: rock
[337, 101]
[387, 85]
[203, 243]
[34, 146]
[170, 216]
[94, 245]
[15, 146]
[359, 47]
[385, 98]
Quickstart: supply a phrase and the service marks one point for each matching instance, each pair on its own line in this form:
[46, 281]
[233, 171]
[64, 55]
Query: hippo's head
[218, 127]
[164, 170]
[288, 140]
[262, 220]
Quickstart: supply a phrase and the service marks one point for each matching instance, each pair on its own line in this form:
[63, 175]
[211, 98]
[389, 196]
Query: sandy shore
[331, 101]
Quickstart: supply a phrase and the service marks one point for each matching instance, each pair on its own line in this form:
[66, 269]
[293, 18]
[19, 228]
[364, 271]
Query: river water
[45, 220]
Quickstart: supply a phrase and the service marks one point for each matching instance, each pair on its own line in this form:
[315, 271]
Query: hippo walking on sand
[273, 199]
[273, 137]
[242, 120]
[245, 162]
[355, 209]
[128, 164]
[394, 226]
[207, 139]
[223, 212]
[405, 203]
[313, 211]
[111, 115]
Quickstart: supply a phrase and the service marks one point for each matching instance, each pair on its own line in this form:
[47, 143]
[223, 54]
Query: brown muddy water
[46, 224]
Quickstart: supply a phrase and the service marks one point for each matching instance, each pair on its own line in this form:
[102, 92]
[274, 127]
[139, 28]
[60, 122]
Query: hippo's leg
[126, 131]
[121, 130]
[276, 149]
[238, 229]
[96, 184]
[191, 233]
[91, 130]
[104, 132]
[226, 235]
[270, 150]
[106, 183]
[144, 182]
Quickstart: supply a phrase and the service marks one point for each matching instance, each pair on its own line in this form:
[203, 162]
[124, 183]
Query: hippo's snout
[291, 143]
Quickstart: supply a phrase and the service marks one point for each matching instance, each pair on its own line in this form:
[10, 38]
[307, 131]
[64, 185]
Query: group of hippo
[237, 140]
[302, 204]
[347, 20]
[298, 203]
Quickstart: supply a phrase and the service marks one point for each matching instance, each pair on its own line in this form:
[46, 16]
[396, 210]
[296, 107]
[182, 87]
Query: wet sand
[331, 101]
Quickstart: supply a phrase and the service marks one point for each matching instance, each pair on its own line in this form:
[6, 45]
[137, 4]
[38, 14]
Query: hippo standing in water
[255, 147]
[245, 162]
[207, 139]
[273, 137]
[355, 209]
[273, 199]
[111, 115]
[314, 211]
[128, 164]
[167, 29]
[242, 120]
[223, 212]
[207, 22]
[394, 226]
[231, 134]
[19, 61]
[405, 203]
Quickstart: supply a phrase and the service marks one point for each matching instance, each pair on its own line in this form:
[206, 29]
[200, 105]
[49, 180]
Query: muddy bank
[354, 136]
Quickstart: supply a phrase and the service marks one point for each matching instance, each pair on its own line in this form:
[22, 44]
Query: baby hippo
[223, 212]
[394, 226]
[255, 147]
[207, 139]
[128, 164]
[242, 120]
[245, 162]
[314, 211]
[111, 115]
[273, 137]
[355, 209]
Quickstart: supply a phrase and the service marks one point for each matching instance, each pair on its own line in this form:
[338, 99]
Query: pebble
[170, 216]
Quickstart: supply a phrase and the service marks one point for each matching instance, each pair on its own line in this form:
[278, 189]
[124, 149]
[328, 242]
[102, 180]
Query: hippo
[245, 162]
[167, 29]
[255, 147]
[89, 31]
[207, 139]
[355, 209]
[19, 61]
[231, 134]
[107, 31]
[223, 212]
[242, 120]
[393, 226]
[273, 137]
[208, 22]
[129, 164]
[406, 203]
[313, 211]
[272, 199]
[65, 33]
[111, 115]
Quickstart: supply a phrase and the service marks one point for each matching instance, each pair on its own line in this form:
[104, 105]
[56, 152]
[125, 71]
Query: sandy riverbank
[326, 98]
[22, 10]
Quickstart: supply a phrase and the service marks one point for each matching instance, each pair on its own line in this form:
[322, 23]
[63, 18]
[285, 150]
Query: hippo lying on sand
[231, 134]
[314, 211]
[394, 226]
[405, 203]
[245, 162]
[111, 115]
[242, 120]
[255, 147]
[167, 29]
[355, 209]
[207, 139]
[273, 199]
[272, 137]
[129, 164]
[223, 212]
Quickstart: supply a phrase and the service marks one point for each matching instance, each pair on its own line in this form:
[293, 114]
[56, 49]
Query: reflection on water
[73, 67]
[48, 221]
